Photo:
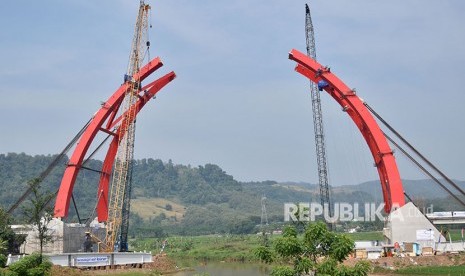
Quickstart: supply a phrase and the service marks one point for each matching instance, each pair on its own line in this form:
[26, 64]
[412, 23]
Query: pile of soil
[60, 270]
[400, 262]
[438, 260]
[162, 263]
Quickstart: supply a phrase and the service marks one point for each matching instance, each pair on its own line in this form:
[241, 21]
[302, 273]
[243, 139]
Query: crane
[120, 191]
[318, 120]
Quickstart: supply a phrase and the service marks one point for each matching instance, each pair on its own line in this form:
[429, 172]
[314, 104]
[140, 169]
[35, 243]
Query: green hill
[180, 199]
[175, 198]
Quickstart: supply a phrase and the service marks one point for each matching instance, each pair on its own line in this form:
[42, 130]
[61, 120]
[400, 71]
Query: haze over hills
[182, 199]
[424, 188]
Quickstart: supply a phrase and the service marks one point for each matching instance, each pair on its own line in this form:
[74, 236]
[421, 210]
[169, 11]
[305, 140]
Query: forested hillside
[211, 200]
[181, 199]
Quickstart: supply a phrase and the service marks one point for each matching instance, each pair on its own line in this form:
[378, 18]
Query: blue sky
[237, 101]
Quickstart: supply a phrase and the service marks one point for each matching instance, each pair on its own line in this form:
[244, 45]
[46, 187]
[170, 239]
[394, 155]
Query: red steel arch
[149, 92]
[391, 183]
[106, 114]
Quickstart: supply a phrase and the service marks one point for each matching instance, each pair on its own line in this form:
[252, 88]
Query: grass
[219, 247]
[367, 236]
[432, 270]
[455, 234]
[215, 248]
[205, 248]
[152, 207]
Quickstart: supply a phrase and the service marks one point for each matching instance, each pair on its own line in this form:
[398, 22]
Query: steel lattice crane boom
[120, 191]
[317, 119]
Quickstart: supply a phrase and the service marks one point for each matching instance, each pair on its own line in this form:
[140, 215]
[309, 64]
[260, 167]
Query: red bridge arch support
[105, 120]
[391, 183]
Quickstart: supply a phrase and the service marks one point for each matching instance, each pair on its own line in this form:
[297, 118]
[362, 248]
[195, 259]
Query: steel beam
[383, 156]
[107, 110]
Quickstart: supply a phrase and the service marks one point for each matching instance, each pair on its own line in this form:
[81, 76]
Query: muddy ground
[165, 265]
[392, 263]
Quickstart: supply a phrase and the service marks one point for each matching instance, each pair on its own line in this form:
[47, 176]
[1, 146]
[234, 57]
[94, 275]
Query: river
[232, 269]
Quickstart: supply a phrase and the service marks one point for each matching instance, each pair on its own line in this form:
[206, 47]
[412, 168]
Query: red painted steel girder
[149, 92]
[391, 183]
[106, 113]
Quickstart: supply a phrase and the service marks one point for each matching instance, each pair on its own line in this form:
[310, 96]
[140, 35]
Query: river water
[227, 269]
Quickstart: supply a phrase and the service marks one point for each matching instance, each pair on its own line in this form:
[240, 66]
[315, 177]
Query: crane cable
[83, 163]
[50, 167]
[87, 223]
[414, 150]
[411, 158]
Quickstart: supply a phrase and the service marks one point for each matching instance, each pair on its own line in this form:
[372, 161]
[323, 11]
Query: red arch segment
[391, 183]
[149, 92]
[106, 113]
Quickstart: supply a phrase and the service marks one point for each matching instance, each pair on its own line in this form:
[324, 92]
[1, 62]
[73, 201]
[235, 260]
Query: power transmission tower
[264, 218]
[318, 121]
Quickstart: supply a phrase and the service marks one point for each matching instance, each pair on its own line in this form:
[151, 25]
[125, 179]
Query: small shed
[427, 251]
[374, 253]
[368, 250]
[412, 248]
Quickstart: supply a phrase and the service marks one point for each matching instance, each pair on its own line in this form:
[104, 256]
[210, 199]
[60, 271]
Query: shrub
[32, 265]
[3, 260]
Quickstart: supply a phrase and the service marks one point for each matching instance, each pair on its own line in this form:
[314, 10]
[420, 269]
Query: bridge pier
[408, 224]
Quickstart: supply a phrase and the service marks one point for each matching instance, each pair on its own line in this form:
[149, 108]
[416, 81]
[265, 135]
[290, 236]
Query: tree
[39, 214]
[317, 250]
[6, 233]
[3, 246]
[9, 241]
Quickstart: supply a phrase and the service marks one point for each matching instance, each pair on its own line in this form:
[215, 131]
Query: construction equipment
[318, 121]
[89, 242]
[120, 191]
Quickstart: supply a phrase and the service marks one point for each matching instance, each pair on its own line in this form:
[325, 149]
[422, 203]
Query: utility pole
[318, 122]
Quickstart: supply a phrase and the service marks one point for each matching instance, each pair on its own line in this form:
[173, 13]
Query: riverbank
[432, 270]
[229, 248]
[449, 264]
[201, 252]
[452, 264]
[250, 269]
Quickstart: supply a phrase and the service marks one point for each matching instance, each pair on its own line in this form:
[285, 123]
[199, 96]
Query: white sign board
[93, 259]
[425, 235]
